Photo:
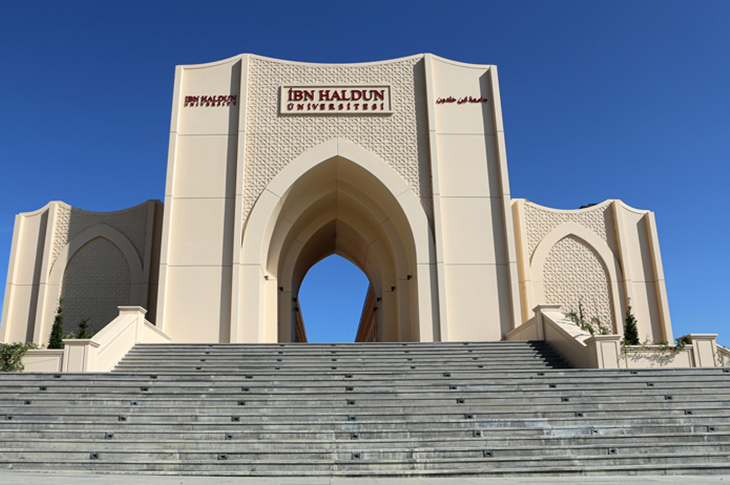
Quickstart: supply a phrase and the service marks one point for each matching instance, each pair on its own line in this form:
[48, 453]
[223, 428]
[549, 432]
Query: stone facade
[272, 140]
[93, 261]
[263, 183]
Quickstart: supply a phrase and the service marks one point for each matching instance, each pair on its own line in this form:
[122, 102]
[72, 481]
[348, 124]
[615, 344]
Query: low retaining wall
[583, 350]
[43, 360]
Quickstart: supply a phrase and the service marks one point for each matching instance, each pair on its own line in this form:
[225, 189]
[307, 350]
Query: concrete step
[326, 401]
[372, 466]
[432, 409]
[406, 375]
[520, 437]
[215, 399]
[342, 451]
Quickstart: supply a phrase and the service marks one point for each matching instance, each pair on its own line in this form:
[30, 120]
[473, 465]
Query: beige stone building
[398, 166]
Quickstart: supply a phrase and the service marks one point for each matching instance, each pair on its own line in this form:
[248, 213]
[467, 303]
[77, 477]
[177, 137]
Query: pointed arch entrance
[337, 198]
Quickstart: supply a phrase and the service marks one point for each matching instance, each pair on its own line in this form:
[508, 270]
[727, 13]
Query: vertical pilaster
[624, 262]
[238, 216]
[507, 230]
[661, 287]
[48, 294]
[523, 259]
[439, 291]
[10, 283]
[168, 214]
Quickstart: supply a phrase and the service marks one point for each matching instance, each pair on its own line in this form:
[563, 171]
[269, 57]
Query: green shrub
[592, 326]
[11, 355]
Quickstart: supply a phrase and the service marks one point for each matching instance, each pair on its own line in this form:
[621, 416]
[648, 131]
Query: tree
[84, 325]
[631, 330]
[56, 340]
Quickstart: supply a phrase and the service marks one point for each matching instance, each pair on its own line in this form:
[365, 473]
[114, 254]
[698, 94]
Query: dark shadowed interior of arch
[331, 300]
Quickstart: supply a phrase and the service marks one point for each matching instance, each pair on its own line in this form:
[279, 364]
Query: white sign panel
[333, 100]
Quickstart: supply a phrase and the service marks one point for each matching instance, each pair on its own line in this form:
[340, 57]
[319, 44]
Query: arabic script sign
[333, 100]
[464, 100]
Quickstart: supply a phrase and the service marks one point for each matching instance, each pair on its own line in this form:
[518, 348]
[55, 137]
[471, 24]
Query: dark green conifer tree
[631, 331]
[84, 325]
[56, 340]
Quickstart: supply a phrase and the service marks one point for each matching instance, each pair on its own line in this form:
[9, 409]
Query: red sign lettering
[302, 100]
[210, 101]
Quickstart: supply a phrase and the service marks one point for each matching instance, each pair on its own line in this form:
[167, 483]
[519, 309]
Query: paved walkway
[26, 478]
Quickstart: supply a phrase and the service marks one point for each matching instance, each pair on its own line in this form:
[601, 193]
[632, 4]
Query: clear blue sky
[601, 99]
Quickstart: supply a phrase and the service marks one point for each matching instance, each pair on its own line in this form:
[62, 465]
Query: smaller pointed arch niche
[96, 281]
[574, 273]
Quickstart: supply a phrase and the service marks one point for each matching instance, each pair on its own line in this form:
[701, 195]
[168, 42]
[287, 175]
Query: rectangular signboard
[333, 100]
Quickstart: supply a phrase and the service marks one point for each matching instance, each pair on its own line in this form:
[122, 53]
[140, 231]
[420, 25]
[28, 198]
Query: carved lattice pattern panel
[573, 272]
[539, 221]
[96, 281]
[400, 139]
[71, 222]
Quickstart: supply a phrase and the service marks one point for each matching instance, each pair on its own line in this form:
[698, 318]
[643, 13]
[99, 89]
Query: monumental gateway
[398, 166]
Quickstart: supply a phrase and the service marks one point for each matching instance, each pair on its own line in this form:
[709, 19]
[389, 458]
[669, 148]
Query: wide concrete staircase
[448, 409]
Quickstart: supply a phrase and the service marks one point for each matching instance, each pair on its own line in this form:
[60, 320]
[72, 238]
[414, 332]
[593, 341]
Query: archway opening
[354, 206]
[331, 300]
[339, 208]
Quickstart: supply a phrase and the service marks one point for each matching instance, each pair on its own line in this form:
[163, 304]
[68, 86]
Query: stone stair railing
[723, 356]
[607, 352]
[101, 352]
